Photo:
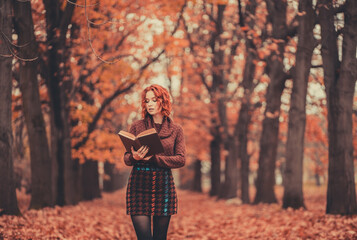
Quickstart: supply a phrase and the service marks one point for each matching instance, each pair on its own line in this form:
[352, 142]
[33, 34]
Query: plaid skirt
[151, 191]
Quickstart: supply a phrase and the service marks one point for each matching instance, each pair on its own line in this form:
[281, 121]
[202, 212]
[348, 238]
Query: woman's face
[152, 104]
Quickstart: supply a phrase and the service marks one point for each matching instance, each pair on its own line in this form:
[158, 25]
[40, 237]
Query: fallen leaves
[200, 217]
[99, 219]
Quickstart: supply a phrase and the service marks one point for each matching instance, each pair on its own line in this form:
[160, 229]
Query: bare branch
[126, 35]
[5, 56]
[90, 37]
[13, 44]
[172, 33]
[106, 102]
[209, 15]
[13, 54]
[203, 79]
[192, 46]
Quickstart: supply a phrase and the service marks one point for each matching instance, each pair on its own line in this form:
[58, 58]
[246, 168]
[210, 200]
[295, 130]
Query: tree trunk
[76, 172]
[215, 147]
[41, 166]
[269, 139]
[230, 185]
[90, 180]
[243, 124]
[197, 177]
[317, 180]
[8, 200]
[293, 194]
[58, 21]
[341, 195]
[113, 180]
[216, 92]
[61, 138]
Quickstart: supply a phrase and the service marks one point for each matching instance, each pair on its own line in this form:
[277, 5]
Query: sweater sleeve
[128, 156]
[178, 159]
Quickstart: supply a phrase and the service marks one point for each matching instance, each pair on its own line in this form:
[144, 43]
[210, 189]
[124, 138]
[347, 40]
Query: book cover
[148, 138]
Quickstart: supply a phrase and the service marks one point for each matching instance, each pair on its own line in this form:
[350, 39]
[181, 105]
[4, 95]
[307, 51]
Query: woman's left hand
[139, 155]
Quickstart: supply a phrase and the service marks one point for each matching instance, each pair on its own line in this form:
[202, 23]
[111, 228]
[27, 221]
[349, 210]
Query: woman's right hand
[140, 154]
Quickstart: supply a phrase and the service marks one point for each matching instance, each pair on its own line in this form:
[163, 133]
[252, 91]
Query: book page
[147, 132]
[126, 134]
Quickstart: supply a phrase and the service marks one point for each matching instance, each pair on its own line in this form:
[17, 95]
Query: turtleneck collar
[165, 131]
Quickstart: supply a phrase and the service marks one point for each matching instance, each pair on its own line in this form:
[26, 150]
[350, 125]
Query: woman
[151, 189]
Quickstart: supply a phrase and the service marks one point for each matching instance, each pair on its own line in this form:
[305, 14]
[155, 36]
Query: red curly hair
[163, 97]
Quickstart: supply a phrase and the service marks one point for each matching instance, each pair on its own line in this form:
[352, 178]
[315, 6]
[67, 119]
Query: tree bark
[8, 200]
[90, 180]
[216, 91]
[228, 189]
[41, 166]
[215, 147]
[242, 133]
[269, 139]
[197, 177]
[293, 194]
[230, 186]
[242, 126]
[58, 21]
[340, 85]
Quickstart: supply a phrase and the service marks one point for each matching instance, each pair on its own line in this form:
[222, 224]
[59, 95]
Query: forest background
[265, 92]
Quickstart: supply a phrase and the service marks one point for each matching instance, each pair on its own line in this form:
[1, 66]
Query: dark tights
[142, 226]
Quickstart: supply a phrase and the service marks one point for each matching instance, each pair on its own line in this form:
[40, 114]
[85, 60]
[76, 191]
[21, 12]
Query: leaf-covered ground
[200, 217]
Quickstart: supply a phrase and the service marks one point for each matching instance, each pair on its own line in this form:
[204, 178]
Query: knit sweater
[173, 141]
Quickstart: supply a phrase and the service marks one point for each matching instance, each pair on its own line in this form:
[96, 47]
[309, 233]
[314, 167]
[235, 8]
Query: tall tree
[340, 80]
[41, 164]
[244, 118]
[56, 67]
[217, 92]
[8, 200]
[275, 70]
[293, 194]
[216, 89]
[236, 144]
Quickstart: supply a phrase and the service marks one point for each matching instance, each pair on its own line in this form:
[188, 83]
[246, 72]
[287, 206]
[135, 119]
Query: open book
[148, 138]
